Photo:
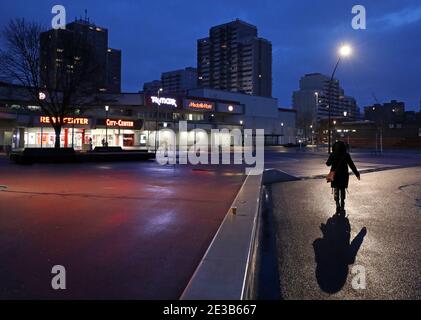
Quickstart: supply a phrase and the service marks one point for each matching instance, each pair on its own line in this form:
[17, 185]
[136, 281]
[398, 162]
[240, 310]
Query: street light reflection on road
[160, 222]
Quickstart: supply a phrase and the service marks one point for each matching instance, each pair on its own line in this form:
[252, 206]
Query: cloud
[400, 18]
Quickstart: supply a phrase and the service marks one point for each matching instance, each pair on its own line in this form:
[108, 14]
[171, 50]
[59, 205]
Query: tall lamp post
[107, 109]
[344, 51]
[156, 120]
[316, 113]
[312, 134]
[282, 133]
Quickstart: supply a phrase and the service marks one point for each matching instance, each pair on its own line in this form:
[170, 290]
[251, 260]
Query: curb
[226, 271]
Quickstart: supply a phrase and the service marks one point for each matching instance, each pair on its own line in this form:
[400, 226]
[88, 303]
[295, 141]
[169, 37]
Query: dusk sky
[157, 36]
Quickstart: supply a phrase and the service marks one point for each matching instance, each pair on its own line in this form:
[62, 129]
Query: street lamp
[316, 114]
[343, 52]
[107, 108]
[157, 119]
[311, 130]
[334, 129]
[282, 132]
[42, 96]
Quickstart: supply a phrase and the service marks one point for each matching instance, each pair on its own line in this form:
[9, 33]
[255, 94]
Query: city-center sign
[119, 123]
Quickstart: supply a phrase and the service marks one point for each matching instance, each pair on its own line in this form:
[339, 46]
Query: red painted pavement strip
[121, 231]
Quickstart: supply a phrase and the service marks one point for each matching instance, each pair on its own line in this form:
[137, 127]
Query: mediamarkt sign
[199, 105]
[164, 101]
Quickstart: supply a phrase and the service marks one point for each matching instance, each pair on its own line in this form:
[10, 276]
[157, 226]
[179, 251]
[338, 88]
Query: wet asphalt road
[122, 230]
[381, 232]
[138, 230]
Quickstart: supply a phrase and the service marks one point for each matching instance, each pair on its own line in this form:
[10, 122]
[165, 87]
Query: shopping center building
[130, 120]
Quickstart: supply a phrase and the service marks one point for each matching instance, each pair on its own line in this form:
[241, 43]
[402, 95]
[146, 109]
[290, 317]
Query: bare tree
[57, 78]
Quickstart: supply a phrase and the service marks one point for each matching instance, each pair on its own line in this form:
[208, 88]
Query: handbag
[331, 175]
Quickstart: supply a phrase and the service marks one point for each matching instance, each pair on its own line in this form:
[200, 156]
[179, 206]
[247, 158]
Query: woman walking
[339, 160]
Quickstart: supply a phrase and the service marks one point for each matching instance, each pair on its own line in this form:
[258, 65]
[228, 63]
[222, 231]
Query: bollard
[234, 210]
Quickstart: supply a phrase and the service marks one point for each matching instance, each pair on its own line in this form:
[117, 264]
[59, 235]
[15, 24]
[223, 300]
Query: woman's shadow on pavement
[334, 252]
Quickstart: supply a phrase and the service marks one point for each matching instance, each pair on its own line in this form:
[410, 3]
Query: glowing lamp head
[42, 95]
[345, 51]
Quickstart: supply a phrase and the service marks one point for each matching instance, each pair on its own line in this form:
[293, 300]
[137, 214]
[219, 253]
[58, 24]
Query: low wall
[227, 269]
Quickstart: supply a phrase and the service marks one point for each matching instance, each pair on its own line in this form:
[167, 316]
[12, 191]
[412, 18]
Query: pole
[317, 123]
[283, 136]
[376, 139]
[73, 134]
[156, 124]
[106, 128]
[381, 140]
[330, 104]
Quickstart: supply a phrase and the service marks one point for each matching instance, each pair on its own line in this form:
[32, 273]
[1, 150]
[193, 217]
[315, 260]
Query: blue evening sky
[161, 35]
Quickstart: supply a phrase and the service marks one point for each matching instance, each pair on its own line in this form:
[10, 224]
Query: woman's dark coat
[340, 163]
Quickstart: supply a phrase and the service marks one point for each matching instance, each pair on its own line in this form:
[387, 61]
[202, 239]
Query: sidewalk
[323, 151]
[317, 266]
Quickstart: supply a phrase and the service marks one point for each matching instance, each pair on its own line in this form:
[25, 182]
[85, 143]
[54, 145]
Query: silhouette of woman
[339, 161]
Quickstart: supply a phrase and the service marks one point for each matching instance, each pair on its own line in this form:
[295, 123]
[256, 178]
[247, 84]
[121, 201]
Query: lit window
[34, 108]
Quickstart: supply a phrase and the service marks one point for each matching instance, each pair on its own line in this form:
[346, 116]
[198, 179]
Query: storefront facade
[82, 133]
[131, 120]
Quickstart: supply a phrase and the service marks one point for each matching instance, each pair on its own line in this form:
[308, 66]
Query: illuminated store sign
[164, 101]
[199, 105]
[120, 123]
[67, 120]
